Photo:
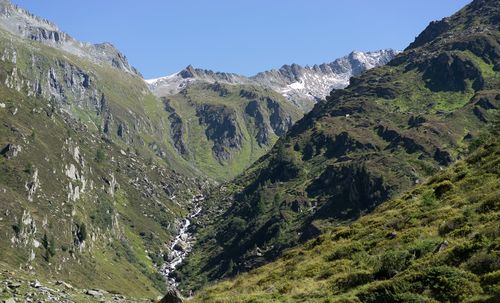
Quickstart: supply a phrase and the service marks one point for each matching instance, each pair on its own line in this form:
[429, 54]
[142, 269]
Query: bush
[449, 284]
[50, 248]
[103, 214]
[451, 225]
[428, 198]
[442, 188]
[100, 155]
[393, 262]
[237, 224]
[422, 247]
[351, 280]
[344, 251]
[385, 292]
[483, 262]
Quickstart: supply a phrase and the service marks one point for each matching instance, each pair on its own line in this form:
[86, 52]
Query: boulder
[10, 151]
[172, 296]
[94, 293]
[181, 246]
[35, 284]
[13, 285]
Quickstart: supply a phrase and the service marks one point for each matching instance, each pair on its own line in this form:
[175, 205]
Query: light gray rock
[301, 85]
[94, 293]
[35, 284]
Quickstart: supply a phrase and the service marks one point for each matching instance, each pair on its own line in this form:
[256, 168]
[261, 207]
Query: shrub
[449, 284]
[100, 155]
[422, 247]
[442, 188]
[237, 224]
[344, 251]
[451, 225]
[50, 248]
[393, 262]
[29, 168]
[428, 198]
[483, 262]
[385, 292]
[351, 280]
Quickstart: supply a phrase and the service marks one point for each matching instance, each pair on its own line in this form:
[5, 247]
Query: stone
[172, 296]
[35, 284]
[14, 285]
[9, 300]
[94, 293]
[442, 246]
[181, 246]
[66, 285]
[10, 151]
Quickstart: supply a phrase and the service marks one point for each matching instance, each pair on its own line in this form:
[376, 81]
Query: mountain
[222, 128]
[240, 118]
[22, 23]
[303, 86]
[390, 129]
[437, 242]
[87, 194]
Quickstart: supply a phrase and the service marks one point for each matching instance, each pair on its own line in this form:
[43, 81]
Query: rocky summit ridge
[24, 24]
[302, 85]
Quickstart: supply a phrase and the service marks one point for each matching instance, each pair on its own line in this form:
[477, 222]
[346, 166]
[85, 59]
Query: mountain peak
[22, 23]
[302, 85]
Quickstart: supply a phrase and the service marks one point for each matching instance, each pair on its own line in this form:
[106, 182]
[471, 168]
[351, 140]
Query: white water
[182, 244]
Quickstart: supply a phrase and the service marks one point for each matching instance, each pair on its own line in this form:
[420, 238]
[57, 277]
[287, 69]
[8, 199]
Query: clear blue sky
[160, 37]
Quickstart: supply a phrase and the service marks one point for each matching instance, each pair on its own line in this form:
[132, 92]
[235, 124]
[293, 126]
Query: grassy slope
[200, 147]
[125, 232]
[393, 255]
[357, 149]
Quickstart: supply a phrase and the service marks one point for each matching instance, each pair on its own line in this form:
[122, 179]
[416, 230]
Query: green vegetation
[216, 129]
[407, 250]
[391, 128]
[81, 183]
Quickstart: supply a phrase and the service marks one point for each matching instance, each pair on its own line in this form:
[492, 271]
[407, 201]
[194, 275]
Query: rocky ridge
[302, 85]
[20, 22]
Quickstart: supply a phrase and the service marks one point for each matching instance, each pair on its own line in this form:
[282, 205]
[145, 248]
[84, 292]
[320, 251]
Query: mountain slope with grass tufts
[389, 130]
[438, 242]
[86, 194]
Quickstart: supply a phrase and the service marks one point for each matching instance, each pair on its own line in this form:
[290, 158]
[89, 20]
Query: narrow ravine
[182, 244]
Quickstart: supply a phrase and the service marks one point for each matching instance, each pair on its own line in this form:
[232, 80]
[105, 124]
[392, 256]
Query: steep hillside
[388, 130]
[303, 86]
[88, 194]
[221, 129]
[438, 242]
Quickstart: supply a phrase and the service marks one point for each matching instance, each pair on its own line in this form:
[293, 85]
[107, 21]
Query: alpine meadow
[373, 177]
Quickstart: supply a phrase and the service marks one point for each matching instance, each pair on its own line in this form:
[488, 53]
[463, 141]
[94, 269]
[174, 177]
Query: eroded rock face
[222, 129]
[254, 110]
[449, 72]
[352, 188]
[176, 128]
[280, 122]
